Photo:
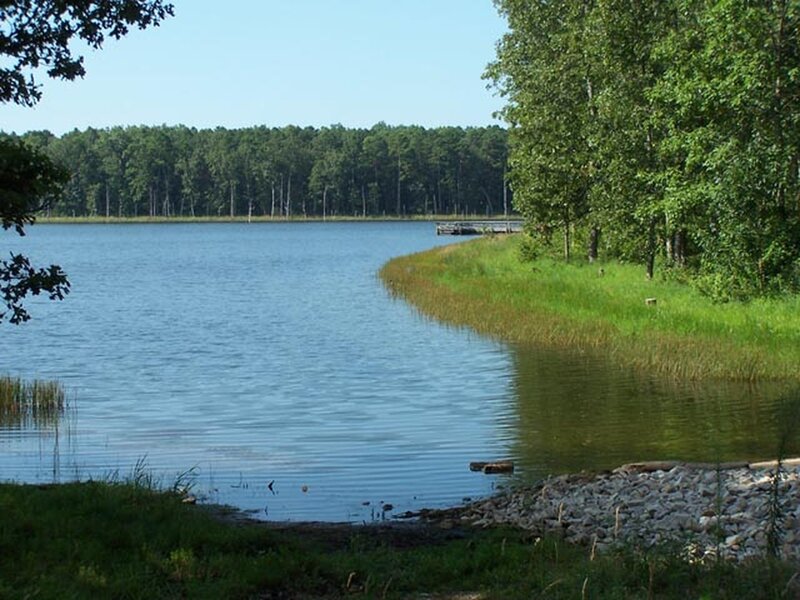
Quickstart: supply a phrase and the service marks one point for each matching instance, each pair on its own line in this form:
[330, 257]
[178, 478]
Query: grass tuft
[36, 402]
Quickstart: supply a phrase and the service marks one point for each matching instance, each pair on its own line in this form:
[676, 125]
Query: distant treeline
[280, 172]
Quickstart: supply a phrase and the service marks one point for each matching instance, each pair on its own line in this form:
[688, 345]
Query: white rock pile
[707, 509]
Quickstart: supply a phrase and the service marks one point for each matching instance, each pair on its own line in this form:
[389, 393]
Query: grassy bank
[483, 285]
[102, 540]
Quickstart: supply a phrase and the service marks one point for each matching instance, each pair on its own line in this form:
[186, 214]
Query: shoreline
[607, 309]
[727, 511]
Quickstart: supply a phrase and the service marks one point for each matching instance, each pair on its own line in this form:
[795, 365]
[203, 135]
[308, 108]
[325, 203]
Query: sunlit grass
[483, 285]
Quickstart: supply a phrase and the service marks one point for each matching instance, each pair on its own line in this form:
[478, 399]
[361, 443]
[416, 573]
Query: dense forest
[660, 131]
[280, 172]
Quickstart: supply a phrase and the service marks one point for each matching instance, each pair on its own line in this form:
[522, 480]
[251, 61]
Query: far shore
[265, 219]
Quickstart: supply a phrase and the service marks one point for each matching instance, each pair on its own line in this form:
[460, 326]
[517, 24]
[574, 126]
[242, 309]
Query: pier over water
[477, 227]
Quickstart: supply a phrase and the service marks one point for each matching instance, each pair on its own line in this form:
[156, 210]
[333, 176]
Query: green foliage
[542, 64]
[40, 34]
[530, 248]
[28, 182]
[672, 126]
[279, 172]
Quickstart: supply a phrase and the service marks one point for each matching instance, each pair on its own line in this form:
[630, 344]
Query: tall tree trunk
[363, 202]
[505, 195]
[650, 252]
[567, 232]
[289, 196]
[594, 241]
[233, 198]
[397, 209]
[281, 200]
[489, 206]
[272, 208]
[679, 248]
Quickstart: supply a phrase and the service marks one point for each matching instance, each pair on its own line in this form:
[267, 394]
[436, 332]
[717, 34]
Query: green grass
[105, 540]
[39, 402]
[482, 284]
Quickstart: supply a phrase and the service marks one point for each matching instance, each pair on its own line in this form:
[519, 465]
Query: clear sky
[239, 63]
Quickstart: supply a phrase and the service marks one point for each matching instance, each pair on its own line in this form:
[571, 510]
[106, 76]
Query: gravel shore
[706, 508]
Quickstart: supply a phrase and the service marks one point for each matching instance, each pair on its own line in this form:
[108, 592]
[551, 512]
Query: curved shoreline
[607, 310]
[726, 511]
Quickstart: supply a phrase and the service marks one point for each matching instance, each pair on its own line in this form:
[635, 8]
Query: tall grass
[95, 540]
[37, 402]
[600, 308]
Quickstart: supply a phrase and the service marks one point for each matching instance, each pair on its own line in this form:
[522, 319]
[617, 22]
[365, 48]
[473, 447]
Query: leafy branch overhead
[36, 34]
[40, 34]
[28, 183]
[18, 278]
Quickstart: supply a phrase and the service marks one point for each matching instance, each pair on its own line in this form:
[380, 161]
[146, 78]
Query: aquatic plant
[36, 402]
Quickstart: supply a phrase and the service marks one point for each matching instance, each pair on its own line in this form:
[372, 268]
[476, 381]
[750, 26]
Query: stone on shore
[707, 508]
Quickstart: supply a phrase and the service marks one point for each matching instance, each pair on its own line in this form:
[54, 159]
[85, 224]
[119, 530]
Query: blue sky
[277, 62]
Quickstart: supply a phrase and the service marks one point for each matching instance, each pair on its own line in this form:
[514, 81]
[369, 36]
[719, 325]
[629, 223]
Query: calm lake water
[267, 353]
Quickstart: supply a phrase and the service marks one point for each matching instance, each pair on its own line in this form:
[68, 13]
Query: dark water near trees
[271, 352]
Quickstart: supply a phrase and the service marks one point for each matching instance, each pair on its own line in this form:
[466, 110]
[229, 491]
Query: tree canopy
[279, 172]
[41, 34]
[669, 125]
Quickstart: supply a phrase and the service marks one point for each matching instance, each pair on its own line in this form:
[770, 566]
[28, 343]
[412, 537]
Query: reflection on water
[47, 434]
[578, 412]
[270, 361]
[15, 419]
[257, 354]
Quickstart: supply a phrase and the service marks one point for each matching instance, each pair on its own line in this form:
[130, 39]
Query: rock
[649, 503]
[733, 540]
[708, 523]
[648, 467]
[504, 466]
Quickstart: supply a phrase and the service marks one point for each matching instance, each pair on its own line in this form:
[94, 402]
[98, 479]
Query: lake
[258, 354]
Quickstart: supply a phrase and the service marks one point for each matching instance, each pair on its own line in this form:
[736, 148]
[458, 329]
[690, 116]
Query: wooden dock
[477, 227]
